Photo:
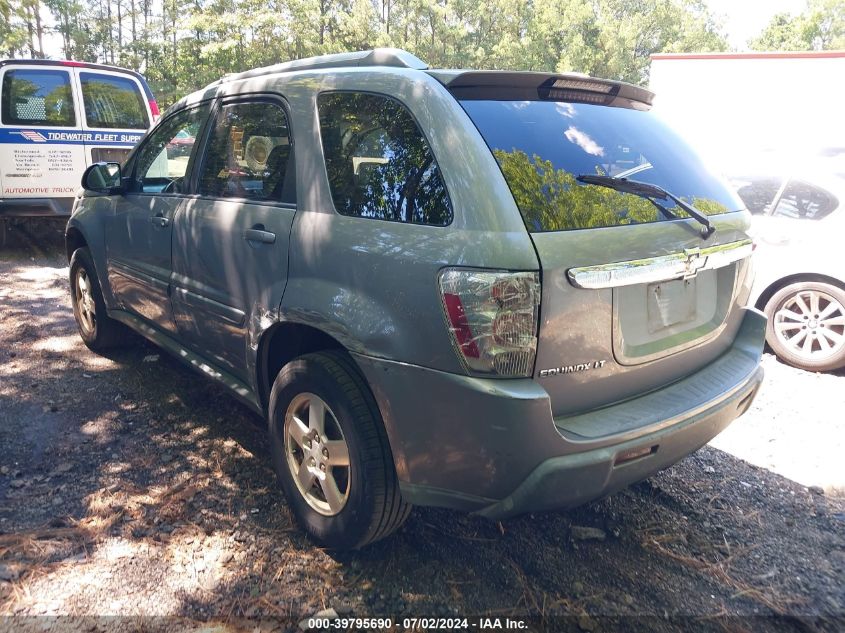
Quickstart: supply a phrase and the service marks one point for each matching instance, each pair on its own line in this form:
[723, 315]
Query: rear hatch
[634, 296]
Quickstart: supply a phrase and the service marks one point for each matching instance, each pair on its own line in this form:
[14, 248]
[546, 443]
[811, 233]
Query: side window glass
[37, 97]
[378, 161]
[113, 102]
[249, 154]
[758, 193]
[162, 162]
[803, 201]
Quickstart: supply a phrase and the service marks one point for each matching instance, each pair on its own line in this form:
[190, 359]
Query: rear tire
[98, 331]
[806, 327]
[338, 475]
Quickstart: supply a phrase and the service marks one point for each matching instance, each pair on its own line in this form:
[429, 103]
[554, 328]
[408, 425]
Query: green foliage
[552, 200]
[14, 39]
[821, 26]
[181, 45]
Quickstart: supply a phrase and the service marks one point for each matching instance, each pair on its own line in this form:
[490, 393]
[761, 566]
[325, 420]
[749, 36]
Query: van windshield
[113, 102]
[541, 146]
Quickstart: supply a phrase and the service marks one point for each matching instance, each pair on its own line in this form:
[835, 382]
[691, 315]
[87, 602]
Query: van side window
[113, 102]
[162, 162]
[378, 161]
[36, 97]
[249, 154]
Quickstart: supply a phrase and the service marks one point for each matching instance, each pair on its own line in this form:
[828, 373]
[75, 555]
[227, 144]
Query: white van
[57, 118]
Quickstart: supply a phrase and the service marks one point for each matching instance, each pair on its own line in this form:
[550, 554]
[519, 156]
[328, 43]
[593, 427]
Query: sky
[744, 19]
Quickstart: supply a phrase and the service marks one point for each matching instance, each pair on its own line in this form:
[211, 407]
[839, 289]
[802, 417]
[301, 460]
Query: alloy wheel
[317, 454]
[85, 302]
[812, 324]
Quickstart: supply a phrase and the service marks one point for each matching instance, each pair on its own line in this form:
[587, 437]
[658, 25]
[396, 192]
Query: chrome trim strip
[684, 265]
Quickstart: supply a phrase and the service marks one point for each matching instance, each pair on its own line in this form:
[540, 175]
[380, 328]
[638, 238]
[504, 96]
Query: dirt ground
[131, 486]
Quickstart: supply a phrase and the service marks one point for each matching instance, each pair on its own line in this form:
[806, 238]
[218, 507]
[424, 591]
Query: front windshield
[541, 147]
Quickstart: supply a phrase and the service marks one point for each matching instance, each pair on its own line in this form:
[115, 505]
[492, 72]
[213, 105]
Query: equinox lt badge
[571, 369]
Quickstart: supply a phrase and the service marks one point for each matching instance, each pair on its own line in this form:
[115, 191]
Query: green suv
[492, 291]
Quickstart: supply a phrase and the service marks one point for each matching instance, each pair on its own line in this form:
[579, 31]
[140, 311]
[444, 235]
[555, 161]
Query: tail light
[154, 109]
[492, 319]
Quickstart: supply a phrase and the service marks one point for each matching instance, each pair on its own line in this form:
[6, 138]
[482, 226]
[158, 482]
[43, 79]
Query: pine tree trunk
[133, 10]
[146, 33]
[39, 29]
[30, 30]
[111, 32]
[119, 27]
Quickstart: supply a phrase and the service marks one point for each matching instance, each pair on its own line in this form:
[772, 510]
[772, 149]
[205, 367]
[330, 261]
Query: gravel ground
[131, 486]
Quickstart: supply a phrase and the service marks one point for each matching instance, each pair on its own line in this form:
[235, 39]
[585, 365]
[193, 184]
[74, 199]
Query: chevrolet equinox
[494, 291]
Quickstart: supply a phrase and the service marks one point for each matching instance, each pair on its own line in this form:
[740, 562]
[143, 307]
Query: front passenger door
[139, 233]
[230, 253]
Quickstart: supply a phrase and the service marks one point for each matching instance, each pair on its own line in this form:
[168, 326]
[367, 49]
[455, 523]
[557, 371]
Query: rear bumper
[32, 207]
[492, 446]
[567, 481]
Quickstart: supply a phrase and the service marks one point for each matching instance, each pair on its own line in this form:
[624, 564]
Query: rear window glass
[805, 201]
[37, 98]
[113, 102]
[542, 146]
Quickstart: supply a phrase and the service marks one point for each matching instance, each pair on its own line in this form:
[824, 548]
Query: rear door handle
[160, 221]
[259, 235]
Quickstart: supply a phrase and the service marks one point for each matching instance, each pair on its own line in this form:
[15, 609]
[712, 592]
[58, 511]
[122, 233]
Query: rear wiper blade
[650, 192]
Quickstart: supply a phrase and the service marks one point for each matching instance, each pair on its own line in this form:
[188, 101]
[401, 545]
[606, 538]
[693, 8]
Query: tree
[181, 45]
[821, 26]
[13, 34]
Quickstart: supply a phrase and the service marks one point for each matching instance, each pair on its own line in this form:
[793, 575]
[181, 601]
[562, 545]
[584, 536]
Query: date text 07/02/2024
[419, 624]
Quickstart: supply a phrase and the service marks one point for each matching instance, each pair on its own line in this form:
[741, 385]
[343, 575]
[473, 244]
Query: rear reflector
[460, 326]
[634, 453]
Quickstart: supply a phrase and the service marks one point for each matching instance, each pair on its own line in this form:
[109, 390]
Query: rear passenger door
[230, 242]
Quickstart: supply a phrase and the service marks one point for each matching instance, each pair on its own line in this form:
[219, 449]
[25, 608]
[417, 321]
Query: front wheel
[98, 331]
[807, 325]
[331, 452]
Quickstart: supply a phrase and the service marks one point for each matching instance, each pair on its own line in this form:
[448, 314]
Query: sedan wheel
[807, 325]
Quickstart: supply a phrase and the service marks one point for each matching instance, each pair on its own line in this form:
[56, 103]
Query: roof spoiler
[510, 85]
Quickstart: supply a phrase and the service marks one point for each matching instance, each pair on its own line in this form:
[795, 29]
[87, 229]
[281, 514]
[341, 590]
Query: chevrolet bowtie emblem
[695, 262]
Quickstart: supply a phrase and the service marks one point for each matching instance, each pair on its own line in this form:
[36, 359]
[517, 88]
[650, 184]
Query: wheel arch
[286, 340]
[74, 239]
[280, 344]
[783, 282]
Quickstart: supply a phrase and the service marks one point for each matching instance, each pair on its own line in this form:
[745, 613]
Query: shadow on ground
[130, 485]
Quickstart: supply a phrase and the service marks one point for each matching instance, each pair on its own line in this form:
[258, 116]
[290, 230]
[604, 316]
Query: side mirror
[103, 178]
